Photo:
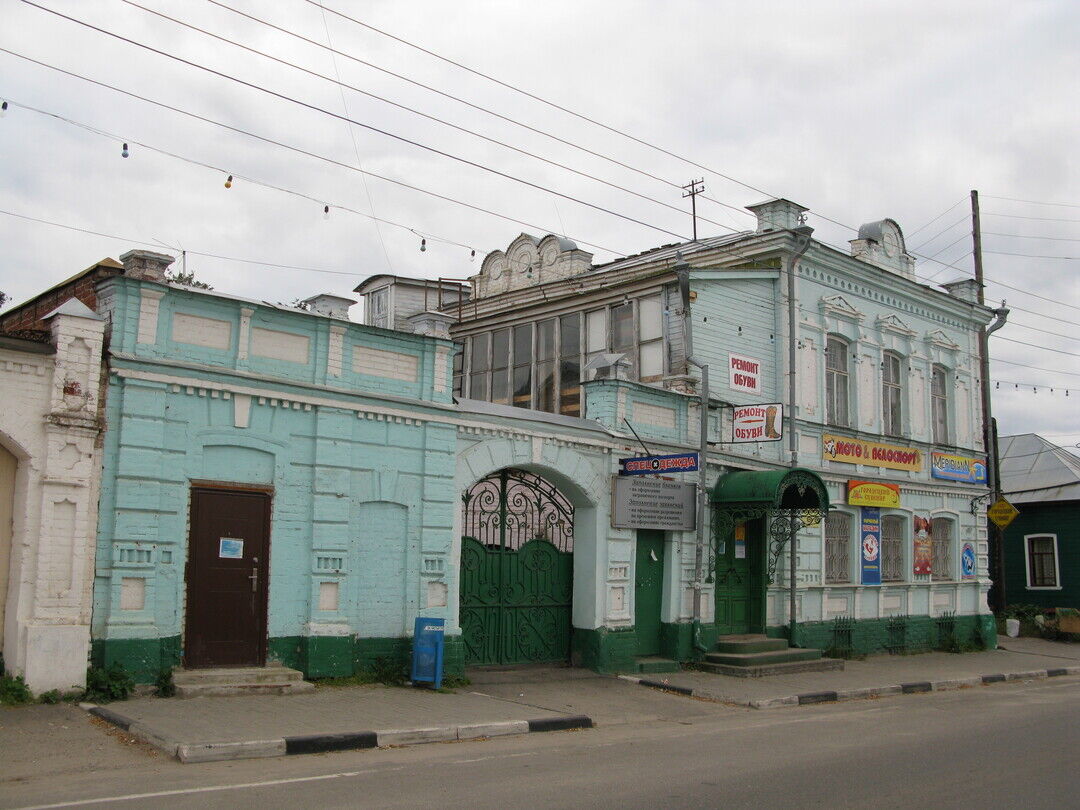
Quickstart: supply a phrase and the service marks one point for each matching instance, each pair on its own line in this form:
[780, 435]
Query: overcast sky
[857, 110]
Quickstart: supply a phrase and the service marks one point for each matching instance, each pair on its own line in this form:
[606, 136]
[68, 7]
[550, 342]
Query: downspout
[802, 243]
[993, 474]
[682, 272]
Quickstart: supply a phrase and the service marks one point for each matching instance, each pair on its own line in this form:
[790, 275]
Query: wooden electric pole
[693, 188]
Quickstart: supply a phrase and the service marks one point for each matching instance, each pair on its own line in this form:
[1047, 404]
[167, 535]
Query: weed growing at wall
[14, 691]
[104, 685]
[163, 684]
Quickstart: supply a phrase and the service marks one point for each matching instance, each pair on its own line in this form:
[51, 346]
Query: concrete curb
[321, 743]
[910, 688]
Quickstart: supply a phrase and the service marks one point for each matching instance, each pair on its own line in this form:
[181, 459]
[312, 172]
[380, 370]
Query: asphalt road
[1010, 745]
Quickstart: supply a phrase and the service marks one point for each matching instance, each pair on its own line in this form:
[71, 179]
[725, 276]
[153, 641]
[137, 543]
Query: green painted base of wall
[143, 658]
[603, 650]
[677, 640]
[915, 634]
[315, 656]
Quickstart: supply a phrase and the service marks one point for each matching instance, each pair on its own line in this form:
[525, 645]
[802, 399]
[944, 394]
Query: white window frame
[888, 429]
[954, 521]
[830, 416]
[369, 308]
[1027, 563]
[944, 437]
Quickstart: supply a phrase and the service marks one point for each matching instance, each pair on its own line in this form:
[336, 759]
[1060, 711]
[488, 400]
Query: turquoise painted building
[278, 484]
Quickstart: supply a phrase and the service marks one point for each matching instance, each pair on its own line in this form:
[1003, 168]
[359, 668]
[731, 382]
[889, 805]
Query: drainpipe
[802, 235]
[993, 473]
[682, 272]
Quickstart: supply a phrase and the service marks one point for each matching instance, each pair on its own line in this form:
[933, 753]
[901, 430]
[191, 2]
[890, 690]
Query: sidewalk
[1015, 659]
[541, 699]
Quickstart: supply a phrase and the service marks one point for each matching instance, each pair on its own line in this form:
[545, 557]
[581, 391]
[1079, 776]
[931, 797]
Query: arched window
[892, 548]
[837, 389]
[837, 547]
[941, 539]
[892, 395]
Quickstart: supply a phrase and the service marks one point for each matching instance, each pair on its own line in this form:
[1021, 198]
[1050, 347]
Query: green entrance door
[648, 590]
[740, 581]
[517, 567]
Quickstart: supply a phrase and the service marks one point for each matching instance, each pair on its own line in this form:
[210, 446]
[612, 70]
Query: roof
[368, 283]
[1034, 470]
[111, 265]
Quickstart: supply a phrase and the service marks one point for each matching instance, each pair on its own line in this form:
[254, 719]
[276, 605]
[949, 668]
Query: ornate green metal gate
[516, 570]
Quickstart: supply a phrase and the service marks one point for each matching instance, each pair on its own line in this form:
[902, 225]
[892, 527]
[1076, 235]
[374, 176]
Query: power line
[964, 218]
[282, 145]
[340, 84]
[1026, 236]
[1037, 346]
[961, 201]
[370, 127]
[1044, 331]
[1033, 255]
[1017, 216]
[1034, 202]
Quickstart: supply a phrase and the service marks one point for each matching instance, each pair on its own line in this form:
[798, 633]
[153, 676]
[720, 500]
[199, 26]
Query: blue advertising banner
[870, 532]
[967, 562]
[651, 465]
[948, 467]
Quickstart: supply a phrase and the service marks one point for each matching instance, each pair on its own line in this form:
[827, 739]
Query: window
[941, 538]
[523, 359]
[836, 383]
[545, 366]
[570, 364]
[838, 547]
[891, 395]
[459, 368]
[651, 339]
[1042, 566]
[479, 363]
[939, 405]
[622, 334]
[379, 308]
[500, 366]
[892, 548]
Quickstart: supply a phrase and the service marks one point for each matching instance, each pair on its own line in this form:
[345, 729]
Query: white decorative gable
[891, 323]
[528, 262]
[838, 306]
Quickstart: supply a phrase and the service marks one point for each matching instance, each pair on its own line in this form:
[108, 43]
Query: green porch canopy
[794, 488]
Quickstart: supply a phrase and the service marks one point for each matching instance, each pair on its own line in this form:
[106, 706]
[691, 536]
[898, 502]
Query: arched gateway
[516, 570]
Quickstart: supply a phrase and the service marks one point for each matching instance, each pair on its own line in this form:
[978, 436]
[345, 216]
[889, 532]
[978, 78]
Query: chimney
[332, 306]
[432, 324]
[777, 215]
[966, 289]
[146, 265]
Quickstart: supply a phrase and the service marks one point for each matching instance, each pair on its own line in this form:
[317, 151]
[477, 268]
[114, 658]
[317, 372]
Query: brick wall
[82, 286]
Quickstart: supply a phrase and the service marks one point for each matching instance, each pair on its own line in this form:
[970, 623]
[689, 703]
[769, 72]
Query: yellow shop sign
[872, 454]
[873, 493]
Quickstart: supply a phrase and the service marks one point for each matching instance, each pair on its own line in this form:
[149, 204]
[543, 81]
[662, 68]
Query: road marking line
[497, 756]
[208, 789]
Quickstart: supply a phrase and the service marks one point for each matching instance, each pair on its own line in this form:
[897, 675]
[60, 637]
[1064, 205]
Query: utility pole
[693, 188]
[997, 541]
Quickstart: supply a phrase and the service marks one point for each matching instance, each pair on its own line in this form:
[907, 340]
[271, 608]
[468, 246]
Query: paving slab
[1017, 659]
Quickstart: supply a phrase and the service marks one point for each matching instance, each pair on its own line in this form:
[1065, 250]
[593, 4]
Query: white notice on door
[231, 548]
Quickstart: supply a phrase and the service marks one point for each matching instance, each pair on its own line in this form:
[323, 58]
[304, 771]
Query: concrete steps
[755, 656]
[653, 664]
[273, 679]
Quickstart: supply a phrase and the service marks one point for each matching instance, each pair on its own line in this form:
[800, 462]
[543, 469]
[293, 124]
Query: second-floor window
[378, 303]
[939, 405]
[836, 383]
[891, 395]
[539, 364]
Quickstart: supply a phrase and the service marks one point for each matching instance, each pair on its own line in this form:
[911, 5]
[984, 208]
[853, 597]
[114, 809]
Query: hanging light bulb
[423, 245]
[326, 212]
[124, 152]
[228, 181]
[3, 108]
[472, 255]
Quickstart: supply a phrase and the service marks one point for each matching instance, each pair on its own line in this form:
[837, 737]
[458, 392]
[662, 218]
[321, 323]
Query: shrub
[108, 684]
[14, 691]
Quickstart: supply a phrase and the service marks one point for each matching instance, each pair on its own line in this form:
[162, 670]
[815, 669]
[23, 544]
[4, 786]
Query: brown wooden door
[227, 573]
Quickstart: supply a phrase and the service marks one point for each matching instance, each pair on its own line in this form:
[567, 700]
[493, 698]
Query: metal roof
[1036, 470]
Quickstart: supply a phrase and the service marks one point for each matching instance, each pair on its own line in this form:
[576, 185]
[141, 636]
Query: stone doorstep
[227, 675]
[239, 689]
[189, 753]
[751, 643]
[764, 670]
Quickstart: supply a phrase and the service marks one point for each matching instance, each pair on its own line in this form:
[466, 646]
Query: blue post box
[427, 659]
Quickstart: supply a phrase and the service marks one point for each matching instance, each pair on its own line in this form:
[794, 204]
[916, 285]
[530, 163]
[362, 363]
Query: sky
[856, 110]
